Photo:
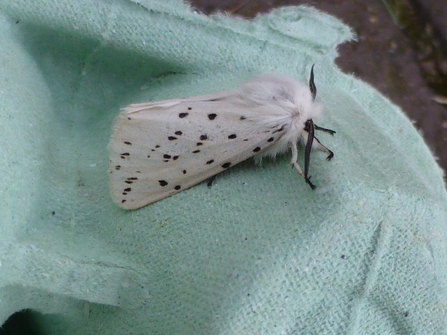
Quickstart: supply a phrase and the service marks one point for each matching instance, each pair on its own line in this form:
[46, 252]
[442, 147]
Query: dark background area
[401, 50]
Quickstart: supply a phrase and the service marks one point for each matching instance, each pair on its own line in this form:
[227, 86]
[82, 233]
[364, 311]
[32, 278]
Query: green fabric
[257, 253]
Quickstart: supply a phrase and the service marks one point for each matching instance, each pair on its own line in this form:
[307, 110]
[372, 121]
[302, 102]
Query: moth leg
[317, 144]
[332, 132]
[210, 181]
[310, 130]
[294, 160]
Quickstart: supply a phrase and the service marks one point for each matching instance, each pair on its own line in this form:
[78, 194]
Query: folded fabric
[259, 252]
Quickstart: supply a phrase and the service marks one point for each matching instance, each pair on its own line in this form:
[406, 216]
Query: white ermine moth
[161, 148]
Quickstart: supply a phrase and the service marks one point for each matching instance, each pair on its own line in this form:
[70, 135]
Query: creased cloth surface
[257, 253]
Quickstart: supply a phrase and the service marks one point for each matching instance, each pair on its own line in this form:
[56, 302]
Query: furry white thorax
[277, 99]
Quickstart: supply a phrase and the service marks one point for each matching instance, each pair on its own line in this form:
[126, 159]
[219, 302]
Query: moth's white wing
[173, 102]
[159, 149]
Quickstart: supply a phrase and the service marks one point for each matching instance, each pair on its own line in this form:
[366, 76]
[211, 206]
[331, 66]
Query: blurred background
[401, 50]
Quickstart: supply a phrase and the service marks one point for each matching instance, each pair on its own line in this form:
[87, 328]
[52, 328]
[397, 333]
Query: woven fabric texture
[257, 253]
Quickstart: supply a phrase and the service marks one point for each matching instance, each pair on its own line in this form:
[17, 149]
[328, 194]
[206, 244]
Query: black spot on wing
[199, 144]
[178, 132]
[183, 115]
[270, 139]
[177, 187]
[232, 136]
[172, 138]
[257, 149]
[203, 137]
[127, 143]
[226, 165]
[210, 161]
[184, 171]
[163, 183]
[279, 130]
[212, 116]
[175, 158]
[196, 151]
[243, 118]
[165, 156]
[117, 167]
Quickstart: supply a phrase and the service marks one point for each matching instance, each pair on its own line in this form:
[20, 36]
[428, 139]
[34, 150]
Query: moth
[158, 149]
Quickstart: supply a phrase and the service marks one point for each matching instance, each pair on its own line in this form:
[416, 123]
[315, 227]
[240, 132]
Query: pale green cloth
[257, 253]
